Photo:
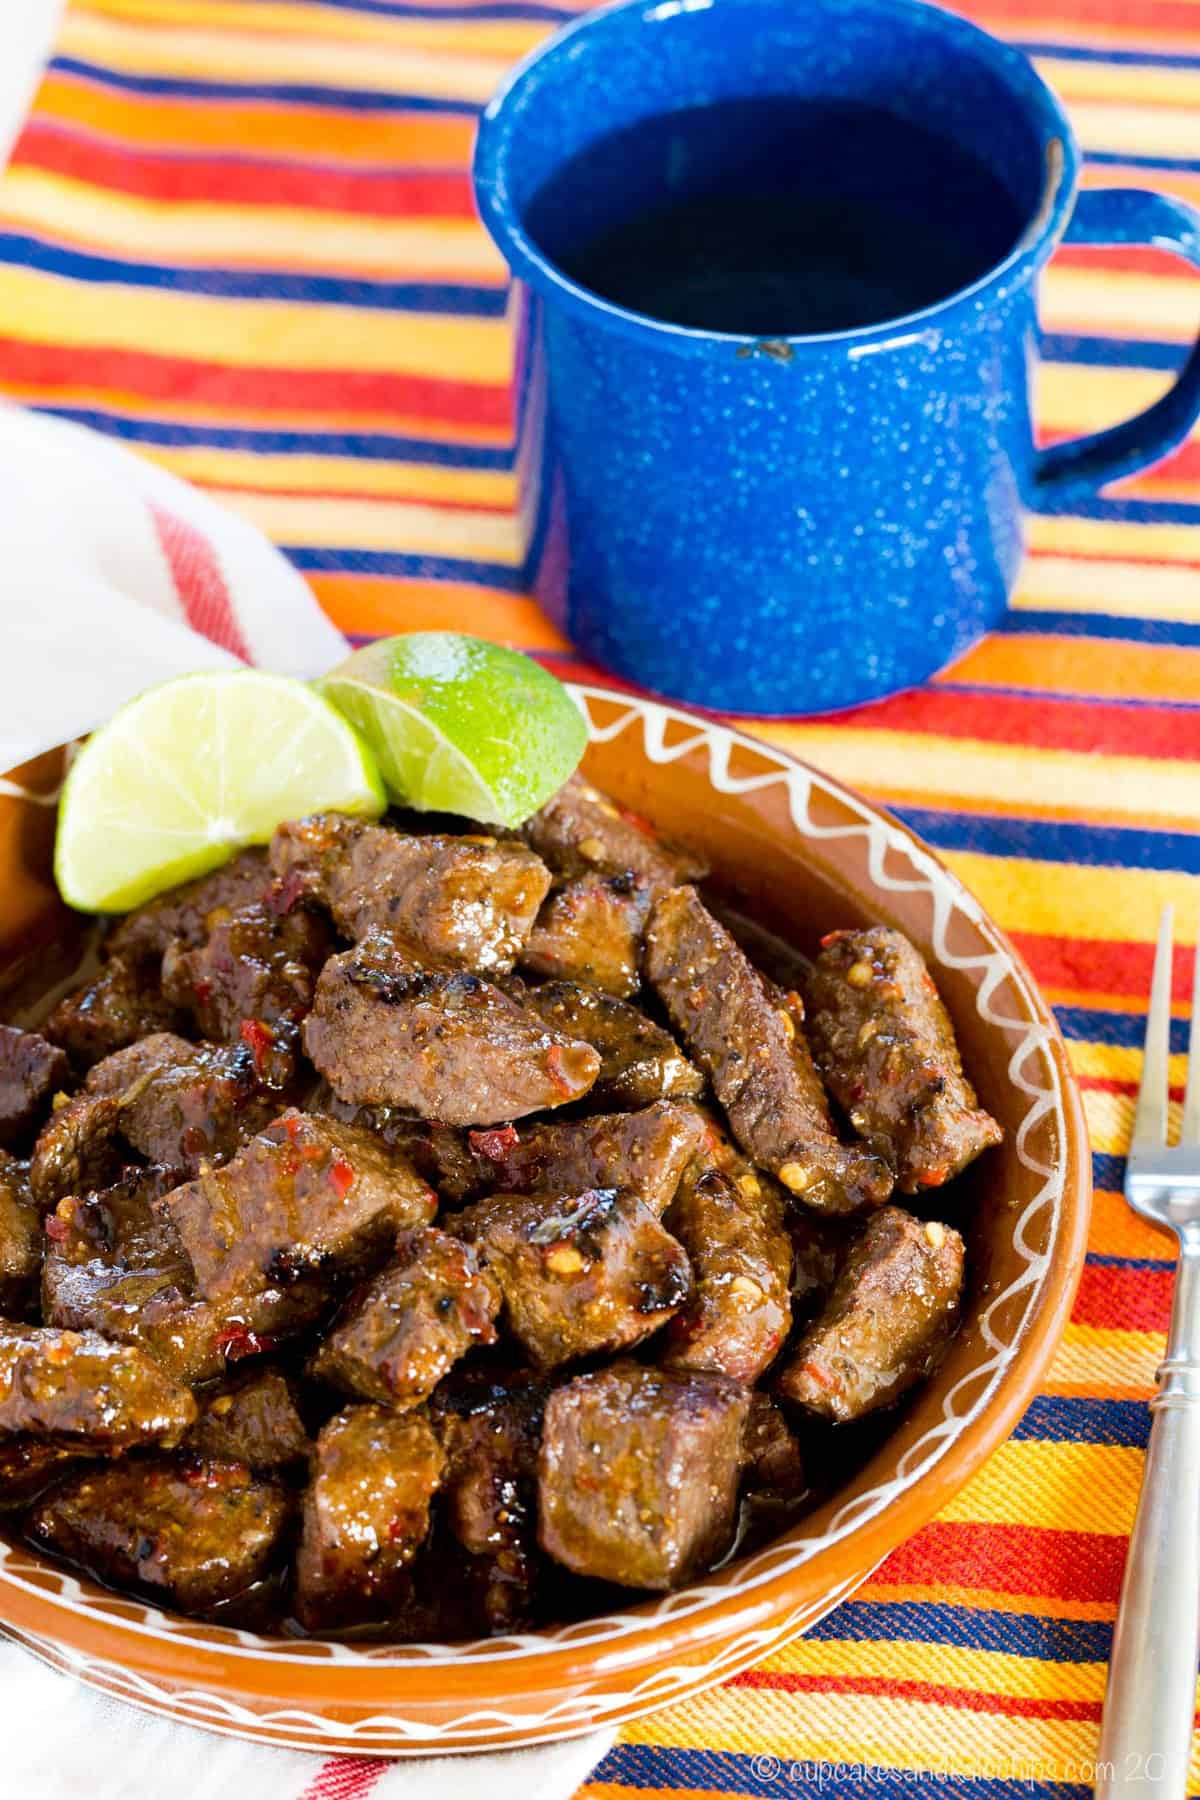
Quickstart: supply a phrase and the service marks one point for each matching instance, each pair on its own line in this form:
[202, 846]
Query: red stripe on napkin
[345, 1778]
[206, 601]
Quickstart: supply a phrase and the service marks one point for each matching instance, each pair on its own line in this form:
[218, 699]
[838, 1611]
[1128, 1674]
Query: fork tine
[1190, 1131]
[1150, 1120]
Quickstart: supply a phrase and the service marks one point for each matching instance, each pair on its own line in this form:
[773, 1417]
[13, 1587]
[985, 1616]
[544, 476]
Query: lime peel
[460, 724]
[194, 769]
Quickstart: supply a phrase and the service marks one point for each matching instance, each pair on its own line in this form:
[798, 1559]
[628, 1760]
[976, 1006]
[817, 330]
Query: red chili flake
[57, 1228]
[934, 1177]
[293, 1126]
[554, 1068]
[283, 894]
[495, 1144]
[819, 1373]
[237, 1341]
[202, 990]
[260, 1038]
[637, 821]
[398, 1530]
[341, 1174]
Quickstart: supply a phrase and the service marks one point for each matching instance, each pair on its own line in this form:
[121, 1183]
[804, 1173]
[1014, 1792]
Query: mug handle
[1065, 474]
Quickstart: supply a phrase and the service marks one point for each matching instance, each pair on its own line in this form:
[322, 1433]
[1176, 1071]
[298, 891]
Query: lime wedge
[459, 724]
[195, 769]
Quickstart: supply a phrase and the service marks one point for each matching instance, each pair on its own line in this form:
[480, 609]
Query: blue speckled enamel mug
[804, 520]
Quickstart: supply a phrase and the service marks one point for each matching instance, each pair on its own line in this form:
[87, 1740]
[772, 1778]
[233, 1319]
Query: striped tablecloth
[239, 235]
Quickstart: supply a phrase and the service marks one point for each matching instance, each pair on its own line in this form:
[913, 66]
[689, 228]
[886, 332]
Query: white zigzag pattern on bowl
[1032, 1070]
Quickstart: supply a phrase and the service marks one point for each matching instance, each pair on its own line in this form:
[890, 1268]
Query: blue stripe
[1112, 353]
[1054, 1420]
[678, 1771]
[1096, 1025]
[257, 284]
[371, 446]
[1104, 158]
[1155, 59]
[411, 568]
[347, 99]
[1104, 625]
[1153, 1264]
[1108, 1172]
[965, 1628]
[500, 9]
[1051, 840]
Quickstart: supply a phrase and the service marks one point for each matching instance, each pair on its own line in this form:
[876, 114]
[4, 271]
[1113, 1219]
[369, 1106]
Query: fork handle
[1146, 1738]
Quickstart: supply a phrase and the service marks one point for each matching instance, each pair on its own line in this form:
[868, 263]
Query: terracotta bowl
[804, 855]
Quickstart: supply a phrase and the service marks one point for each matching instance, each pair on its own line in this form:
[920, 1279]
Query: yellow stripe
[1133, 130]
[1105, 1362]
[261, 60]
[1113, 537]
[905, 765]
[191, 233]
[1064, 899]
[983, 1671]
[1112, 81]
[1064, 1487]
[1126, 590]
[379, 525]
[857, 1728]
[1119, 304]
[251, 333]
[496, 37]
[1117, 1062]
[351, 475]
[1079, 397]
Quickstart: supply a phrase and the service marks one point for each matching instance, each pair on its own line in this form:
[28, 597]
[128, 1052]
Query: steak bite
[772, 1461]
[20, 1241]
[251, 1419]
[638, 1475]
[114, 1263]
[580, 1273]
[439, 1153]
[76, 1389]
[27, 1467]
[887, 1049]
[886, 1322]
[31, 1070]
[398, 1336]
[490, 1432]
[185, 1105]
[186, 1533]
[307, 1198]
[78, 1148]
[443, 1044]
[251, 981]
[121, 1004]
[645, 1153]
[591, 930]
[463, 902]
[639, 1061]
[580, 831]
[189, 911]
[749, 1039]
[731, 1223]
[366, 1515]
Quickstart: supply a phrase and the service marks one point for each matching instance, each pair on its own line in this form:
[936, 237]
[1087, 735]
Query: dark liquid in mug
[775, 217]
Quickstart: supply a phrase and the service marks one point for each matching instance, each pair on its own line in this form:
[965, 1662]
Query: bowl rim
[748, 1599]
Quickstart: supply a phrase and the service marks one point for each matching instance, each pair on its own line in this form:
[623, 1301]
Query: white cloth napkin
[113, 575]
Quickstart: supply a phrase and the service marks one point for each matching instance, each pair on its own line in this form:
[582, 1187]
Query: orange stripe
[1065, 665]
[272, 127]
[373, 606]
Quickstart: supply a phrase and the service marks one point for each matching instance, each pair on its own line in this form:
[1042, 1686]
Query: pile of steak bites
[405, 1231]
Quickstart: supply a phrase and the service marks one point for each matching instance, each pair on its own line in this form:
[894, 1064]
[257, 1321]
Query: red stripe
[1099, 965]
[444, 193]
[938, 1693]
[199, 582]
[1009, 1559]
[177, 378]
[1011, 16]
[1037, 721]
[1130, 260]
[1116, 1299]
[345, 1778]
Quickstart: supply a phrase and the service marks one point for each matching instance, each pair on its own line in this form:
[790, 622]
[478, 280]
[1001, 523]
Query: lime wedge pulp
[459, 724]
[194, 769]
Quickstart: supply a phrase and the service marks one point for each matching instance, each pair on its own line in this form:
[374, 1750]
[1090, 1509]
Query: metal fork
[1146, 1738]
